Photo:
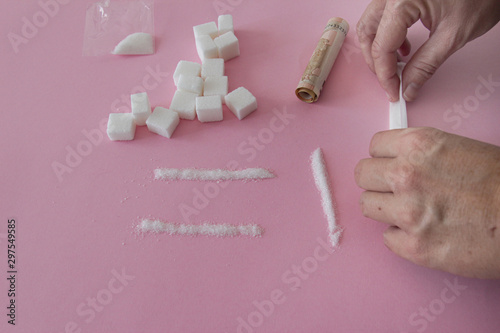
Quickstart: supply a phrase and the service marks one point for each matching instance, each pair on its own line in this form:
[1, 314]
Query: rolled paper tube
[322, 60]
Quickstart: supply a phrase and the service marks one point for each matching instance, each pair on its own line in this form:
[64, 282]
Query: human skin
[439, 193]
[383, 27]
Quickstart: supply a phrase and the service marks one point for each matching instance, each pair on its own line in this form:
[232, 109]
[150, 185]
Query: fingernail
[411, 92]
[392, 100]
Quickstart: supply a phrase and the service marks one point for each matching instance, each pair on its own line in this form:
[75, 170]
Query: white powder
[136, 43]
[323, 185]
[206, 229]
[213, 175]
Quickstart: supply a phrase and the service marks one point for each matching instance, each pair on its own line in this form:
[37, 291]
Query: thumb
[425, 62]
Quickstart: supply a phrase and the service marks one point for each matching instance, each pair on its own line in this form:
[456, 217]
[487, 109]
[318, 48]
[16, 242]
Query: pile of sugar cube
[201, 89]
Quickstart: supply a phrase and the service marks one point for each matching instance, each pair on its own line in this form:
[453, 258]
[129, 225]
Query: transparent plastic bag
[109, 22]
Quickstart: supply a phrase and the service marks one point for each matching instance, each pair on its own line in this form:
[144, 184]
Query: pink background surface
[75, 234]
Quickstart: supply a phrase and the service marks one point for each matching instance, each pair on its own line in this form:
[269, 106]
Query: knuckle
[377, 49]
[424, 69]
[417, 138]
[398, 6]
[417, 252]
[364, 39]
[372, 147]
[404, 12]
[402, 177]
[360, 28]
[375, 142]
[357, 173]
[387, 241]
[364, 207]
[421, 142]
[410, 215]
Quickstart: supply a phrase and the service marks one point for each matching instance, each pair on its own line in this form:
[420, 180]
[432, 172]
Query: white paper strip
[206, 229]
[213, 175]
[322, 183]
[397, 110]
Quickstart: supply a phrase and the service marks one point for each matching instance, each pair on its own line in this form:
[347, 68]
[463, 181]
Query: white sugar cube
[121, 126]
[209, 108]
[241, 102]
[163, 122]
[186, 68]
[225, 24]
[192, 84]
[216, 86]
[227, 46]
[184, 103]
[141, 109]
[209, 28]
[212, 67]
[206, 48]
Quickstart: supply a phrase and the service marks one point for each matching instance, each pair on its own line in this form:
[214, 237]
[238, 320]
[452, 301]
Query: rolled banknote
[322, 60]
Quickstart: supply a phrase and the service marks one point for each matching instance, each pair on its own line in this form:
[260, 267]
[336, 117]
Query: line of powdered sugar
[322, 183]
[212, 174]
[205, 229]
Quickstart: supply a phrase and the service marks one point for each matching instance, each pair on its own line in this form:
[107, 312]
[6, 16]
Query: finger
[425, 62]
[391, 35]
[407, 247]
[366, 29]
[395, 239]
[405, 48]
[386, 143]
[380, 207]
[370, 174]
